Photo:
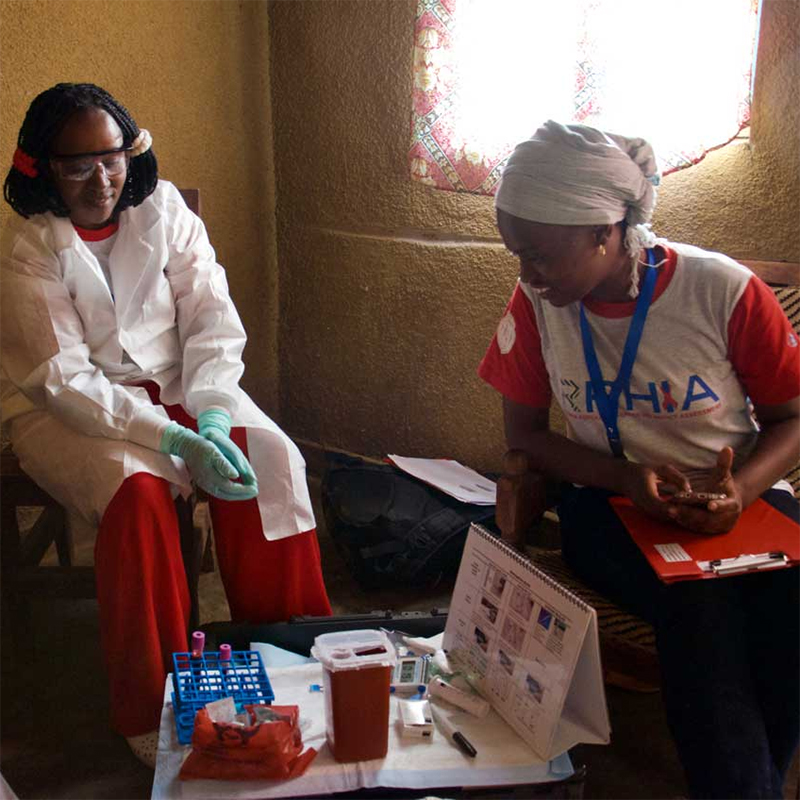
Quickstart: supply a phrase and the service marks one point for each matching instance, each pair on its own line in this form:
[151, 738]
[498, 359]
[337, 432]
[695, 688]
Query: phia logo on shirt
[659, 398]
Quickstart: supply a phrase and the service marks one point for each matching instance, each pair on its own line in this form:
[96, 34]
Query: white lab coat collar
[139, 220]
[138, 238]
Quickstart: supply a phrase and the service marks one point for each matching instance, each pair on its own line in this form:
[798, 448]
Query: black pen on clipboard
[452, 733]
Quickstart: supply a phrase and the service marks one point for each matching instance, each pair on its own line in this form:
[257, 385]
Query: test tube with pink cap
[198, 644]
[224, 657]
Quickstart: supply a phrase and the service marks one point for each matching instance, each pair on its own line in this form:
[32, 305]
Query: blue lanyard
[608, 401]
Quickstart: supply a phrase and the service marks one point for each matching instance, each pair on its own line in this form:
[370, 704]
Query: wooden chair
[23, 575]
[523, 516]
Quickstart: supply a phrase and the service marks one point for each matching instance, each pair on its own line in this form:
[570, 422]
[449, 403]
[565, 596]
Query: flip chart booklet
[528, 645]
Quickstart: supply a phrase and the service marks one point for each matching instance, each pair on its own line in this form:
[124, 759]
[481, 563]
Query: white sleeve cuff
[147, 427]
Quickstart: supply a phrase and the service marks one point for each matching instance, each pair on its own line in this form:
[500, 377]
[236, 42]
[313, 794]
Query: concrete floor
[55, 741]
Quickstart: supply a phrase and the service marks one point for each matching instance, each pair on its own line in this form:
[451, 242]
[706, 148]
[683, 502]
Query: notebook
[763, 539]
[528, 645]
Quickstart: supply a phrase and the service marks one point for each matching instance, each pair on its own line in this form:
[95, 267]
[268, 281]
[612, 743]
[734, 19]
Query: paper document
[451, 478]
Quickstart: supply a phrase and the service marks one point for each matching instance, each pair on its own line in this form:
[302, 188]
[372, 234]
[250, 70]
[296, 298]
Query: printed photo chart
[528, 645]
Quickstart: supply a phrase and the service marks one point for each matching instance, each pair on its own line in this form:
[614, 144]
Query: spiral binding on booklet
[525, 562]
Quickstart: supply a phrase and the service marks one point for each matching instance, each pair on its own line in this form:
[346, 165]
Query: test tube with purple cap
[198, 644]
[224, 657]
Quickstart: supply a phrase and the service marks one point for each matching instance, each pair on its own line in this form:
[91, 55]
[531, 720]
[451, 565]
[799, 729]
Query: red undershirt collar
[617, 310]
[96, 234]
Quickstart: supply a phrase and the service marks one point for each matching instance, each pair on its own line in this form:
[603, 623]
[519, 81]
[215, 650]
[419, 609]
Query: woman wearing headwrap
[655, 352]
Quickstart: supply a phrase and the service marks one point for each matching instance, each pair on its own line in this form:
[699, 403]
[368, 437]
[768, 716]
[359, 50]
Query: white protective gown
[71, 353]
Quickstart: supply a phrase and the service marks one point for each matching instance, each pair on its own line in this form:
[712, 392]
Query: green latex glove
[215, 425]
[209, 468]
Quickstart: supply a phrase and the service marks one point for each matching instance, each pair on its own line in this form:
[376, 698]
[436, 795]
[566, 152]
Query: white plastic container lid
[345, 650]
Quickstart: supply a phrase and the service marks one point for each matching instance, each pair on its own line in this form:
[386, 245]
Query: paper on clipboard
[676, 554]
[451, 478]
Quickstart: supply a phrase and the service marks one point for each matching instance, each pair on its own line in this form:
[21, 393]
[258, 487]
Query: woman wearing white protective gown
[121, 357]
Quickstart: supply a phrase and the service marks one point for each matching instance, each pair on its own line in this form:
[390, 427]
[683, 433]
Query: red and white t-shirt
[715, 336]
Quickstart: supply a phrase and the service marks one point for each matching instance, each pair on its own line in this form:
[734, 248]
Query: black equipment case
[299, 633]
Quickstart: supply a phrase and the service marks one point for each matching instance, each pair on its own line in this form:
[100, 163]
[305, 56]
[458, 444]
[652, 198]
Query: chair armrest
[521, 498]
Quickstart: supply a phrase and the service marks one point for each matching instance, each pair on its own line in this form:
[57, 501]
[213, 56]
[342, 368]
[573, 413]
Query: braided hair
[33, 191]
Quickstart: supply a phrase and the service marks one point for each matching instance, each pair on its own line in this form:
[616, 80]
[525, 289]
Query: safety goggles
[82, 167]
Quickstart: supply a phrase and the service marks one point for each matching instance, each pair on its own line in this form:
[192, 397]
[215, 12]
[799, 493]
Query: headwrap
[577, 175]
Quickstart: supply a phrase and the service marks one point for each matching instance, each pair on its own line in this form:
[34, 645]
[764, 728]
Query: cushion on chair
[611, 619]
[628, 648]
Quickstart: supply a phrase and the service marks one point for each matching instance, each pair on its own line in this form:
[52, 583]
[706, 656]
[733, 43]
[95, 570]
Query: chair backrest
[776, 273]
[192, 199]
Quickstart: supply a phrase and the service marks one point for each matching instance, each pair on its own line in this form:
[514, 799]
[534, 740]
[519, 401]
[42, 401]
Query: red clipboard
[763, 539]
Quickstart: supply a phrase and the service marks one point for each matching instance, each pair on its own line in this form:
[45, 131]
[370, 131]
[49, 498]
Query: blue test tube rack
[201, 679]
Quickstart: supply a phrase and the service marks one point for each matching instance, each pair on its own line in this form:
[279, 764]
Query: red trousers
[142, 593]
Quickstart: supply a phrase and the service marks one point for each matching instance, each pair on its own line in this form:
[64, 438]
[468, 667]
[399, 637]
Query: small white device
[410, 672]
[416, 719]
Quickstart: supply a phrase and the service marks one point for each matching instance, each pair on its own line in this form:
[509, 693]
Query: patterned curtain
[487, 73]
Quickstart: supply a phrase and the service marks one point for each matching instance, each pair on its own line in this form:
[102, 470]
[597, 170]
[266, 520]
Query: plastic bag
[261, 751]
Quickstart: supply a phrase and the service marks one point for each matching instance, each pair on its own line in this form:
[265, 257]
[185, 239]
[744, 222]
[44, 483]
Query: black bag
[392, 529]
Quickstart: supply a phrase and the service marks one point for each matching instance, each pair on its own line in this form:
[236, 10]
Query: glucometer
[410, 673]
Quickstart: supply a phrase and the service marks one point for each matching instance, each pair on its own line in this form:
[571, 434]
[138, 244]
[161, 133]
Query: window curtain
[488, 73]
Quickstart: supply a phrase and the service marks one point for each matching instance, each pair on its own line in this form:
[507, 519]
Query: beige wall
[196, 74]
[391, 291]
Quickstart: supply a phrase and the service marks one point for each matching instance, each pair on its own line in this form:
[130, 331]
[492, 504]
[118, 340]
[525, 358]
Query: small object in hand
[696, 498]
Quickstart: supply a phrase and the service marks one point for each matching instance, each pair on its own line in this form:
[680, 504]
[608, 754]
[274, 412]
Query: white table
[503, 758]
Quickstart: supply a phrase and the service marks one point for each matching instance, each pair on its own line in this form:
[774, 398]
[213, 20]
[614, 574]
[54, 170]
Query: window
[487, 73]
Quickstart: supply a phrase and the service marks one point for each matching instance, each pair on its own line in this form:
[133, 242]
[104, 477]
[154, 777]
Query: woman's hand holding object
[644, 485]
[207, 465]
[718, 516]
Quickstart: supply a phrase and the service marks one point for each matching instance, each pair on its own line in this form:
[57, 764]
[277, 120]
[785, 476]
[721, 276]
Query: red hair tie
[24, 163]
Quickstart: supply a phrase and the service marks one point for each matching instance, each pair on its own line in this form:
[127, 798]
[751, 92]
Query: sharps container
[357, 670]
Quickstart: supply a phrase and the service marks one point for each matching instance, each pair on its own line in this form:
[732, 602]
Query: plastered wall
[196, 74]
[368, 317]
[390, 291]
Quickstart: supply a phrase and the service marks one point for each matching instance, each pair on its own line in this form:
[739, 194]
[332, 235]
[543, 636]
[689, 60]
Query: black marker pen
[451, 733]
